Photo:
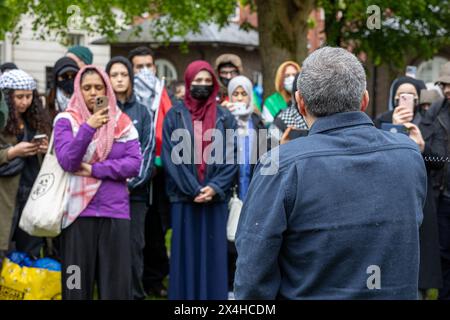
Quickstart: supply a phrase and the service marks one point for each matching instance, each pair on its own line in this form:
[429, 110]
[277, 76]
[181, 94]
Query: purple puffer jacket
[123, 162]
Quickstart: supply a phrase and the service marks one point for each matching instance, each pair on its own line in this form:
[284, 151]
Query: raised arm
[70, 150]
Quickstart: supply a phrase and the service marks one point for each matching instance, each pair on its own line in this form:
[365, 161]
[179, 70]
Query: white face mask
[62, 99]
[288, 82]
[146, 70]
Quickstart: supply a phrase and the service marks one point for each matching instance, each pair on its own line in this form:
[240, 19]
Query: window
[74, 39]
[236, 16]
[428, 71]
[48, 78]
[165, 69]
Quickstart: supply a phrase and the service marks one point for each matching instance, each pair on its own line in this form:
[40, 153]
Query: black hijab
[62, 66]
[125, 62]
[418, 84]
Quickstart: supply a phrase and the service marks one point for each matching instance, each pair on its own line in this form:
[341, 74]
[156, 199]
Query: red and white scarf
[119, 129]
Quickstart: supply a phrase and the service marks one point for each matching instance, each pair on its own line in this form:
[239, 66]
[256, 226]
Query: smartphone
[394, 128]
[240, 108]
[411, 71]
[406, 100]
[297, 133]
[101, 102]
[39, 138]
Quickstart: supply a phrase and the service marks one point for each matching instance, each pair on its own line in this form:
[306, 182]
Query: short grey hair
[332, 80]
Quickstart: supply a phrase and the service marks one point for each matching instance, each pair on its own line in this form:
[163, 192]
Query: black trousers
[138, 212]
[100, 249]
[232, 258]
[156, 261]
[444, 240]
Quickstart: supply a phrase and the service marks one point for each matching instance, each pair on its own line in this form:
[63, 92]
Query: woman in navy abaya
[198, 186]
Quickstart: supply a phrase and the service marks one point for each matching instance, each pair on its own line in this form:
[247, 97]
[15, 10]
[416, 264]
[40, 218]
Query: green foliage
[410, 29]
[10, 11]
[99, 15]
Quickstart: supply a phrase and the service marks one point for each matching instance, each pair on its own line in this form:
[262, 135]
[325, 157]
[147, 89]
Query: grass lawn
[166, 280]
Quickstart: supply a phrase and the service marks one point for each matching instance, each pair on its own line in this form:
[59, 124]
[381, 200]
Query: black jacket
[435, 131]
[258, 124]
[143, 121]
[435, 128]
[430, 274]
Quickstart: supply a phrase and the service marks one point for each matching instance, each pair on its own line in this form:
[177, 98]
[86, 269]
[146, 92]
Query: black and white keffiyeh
[291, 117]
[17, 80]
[286, 118]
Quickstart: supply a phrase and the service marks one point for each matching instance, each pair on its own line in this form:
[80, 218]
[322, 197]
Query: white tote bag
[44, 209]
[234, 207]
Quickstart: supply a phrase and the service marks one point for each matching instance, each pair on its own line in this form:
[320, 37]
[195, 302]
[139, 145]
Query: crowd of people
[346, 193]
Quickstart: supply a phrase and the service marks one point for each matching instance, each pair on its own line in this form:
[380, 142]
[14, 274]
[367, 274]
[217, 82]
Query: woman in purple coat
[101, 151]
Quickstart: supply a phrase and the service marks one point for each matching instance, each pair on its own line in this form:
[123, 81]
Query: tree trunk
[283, 30]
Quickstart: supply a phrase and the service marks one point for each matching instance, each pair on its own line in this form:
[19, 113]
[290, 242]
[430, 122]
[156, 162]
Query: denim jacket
[343, 209]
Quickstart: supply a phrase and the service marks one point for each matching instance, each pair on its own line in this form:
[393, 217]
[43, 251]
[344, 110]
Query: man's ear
[300, 103]
[365, 101]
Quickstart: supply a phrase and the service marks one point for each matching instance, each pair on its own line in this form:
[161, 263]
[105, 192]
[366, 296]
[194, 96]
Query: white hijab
[246, 84]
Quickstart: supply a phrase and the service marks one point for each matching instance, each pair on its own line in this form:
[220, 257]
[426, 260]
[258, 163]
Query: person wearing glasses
[228, 66]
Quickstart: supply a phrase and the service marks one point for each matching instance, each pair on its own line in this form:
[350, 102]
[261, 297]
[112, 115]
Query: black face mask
[201, 92]
[66, 85]
[225, 81]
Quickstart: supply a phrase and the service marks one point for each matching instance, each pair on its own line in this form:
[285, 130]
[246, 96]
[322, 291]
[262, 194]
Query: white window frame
[435, 64]
[82, 36]
[236, 16]
[160, 64]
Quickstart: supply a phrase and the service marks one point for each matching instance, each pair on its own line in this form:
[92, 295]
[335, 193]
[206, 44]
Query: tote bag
[44, 209]
[234, 207]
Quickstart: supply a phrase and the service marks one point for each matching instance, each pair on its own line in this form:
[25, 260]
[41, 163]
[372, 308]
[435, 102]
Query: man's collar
[340, 120]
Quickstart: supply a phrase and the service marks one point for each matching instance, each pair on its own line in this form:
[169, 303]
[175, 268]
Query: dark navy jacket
[182, 183]
[143, 121]
[344, 201]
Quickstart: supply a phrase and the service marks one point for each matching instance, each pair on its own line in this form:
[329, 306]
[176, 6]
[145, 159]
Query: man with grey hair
[340, 218]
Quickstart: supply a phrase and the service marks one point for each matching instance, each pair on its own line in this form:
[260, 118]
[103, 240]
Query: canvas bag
[44, 209]
[234, 207]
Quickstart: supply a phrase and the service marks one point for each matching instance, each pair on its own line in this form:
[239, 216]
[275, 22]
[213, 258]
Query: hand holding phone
[415, 134]
[404, 112]
[406, 100]
[101, 102]
[99, 118]
[39, 139]
[240, 108]
[297, 133]
[292, 133]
